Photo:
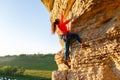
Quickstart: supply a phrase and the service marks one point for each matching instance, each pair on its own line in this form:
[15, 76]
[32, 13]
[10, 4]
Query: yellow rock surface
[98, 24]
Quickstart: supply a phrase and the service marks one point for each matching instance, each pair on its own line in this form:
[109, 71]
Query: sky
[25, 28]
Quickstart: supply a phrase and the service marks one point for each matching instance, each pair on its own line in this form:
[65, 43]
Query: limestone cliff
[98, 24]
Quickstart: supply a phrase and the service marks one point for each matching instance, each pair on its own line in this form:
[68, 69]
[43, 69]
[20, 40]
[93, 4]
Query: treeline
[12, 70]
[36, 54]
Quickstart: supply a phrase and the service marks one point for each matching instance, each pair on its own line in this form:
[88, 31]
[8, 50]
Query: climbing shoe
[66, 62]
[82, 45]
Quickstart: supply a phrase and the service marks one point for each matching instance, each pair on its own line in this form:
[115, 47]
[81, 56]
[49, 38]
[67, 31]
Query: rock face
[98, 24]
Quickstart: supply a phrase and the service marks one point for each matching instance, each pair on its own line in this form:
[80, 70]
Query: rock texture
[98, 24]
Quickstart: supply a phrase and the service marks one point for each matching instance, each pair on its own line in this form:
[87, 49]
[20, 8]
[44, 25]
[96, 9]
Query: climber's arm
[72, 23]
[62, 18]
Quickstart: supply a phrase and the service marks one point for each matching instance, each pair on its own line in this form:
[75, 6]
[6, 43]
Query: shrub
[11, 70]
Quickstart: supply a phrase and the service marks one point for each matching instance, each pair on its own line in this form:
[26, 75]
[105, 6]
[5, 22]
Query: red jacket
[62, 25]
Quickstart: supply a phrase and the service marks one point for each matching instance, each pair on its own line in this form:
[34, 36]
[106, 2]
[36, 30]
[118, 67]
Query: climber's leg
[75, 36]
[66, 53]
[67, 44]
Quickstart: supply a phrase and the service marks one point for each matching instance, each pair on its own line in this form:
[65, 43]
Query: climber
[66, 35]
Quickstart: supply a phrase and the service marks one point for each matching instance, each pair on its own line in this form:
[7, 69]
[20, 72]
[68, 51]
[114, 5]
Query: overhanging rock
[98, 24]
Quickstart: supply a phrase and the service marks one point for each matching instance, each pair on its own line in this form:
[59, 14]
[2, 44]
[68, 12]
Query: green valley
[37, 66]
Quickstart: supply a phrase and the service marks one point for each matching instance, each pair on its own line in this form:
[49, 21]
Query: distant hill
[33, 62]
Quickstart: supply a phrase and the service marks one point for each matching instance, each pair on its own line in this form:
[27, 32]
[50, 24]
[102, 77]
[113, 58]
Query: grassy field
[37, 67]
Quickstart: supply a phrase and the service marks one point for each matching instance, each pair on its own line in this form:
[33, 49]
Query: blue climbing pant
[67, 38]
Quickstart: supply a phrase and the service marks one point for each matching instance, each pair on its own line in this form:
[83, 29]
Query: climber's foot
[66, 62]
[84, 45]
